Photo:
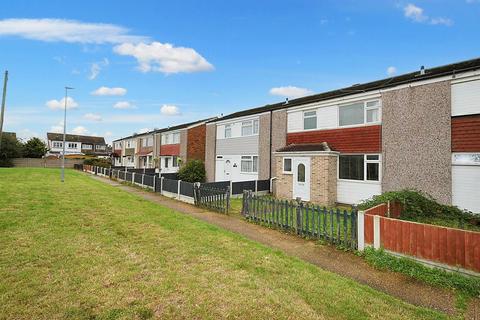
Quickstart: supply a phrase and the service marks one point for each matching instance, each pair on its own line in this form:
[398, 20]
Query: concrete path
[324, 256]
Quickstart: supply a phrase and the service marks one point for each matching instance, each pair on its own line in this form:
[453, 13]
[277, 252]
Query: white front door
[301, 178]
[227, 170]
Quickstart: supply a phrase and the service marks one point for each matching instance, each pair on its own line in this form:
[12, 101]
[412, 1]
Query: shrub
[34, 148]
[419, 206]
[11, 148]
[192, 171]
[99, 162]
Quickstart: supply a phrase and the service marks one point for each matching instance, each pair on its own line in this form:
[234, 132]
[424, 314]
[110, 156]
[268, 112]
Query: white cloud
[108, 134]
[106, 91]
[290, 92]
[96, 67]
[93, 116]
[80, 130]
[71, 31]
[169, 110]
[58, 128]
[123, 105]
[417, 14]
[164, 57]
[391, 71]
[60, 104]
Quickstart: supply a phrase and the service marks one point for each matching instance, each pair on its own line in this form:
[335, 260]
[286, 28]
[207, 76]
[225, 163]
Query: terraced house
[419, 130]
[77, 145]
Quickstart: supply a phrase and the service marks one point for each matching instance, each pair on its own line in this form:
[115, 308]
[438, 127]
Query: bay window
[249, 164]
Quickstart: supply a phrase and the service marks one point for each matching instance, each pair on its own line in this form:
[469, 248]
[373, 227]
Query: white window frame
[310, 116]
[57, 144]
[87, 146]
[100, 147]
[254, 165]
[246, 124]
[291, 165]
[72, 145]
[365, 161]
[365, 109]
[227, 128]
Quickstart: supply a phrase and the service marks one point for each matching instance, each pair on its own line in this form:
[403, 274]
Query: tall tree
[34, 148]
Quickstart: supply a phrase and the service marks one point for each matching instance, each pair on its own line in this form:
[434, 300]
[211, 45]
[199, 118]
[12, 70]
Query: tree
[34, 148]
[10, 148]
[192, 171]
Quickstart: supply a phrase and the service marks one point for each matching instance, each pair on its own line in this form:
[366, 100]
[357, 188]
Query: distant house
[12, 134]
[77, 145]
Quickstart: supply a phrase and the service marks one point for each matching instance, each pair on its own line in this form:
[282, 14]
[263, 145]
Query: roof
[177, 127]
[305, 147]
[446, 70]
[75, 138]
[12, 134]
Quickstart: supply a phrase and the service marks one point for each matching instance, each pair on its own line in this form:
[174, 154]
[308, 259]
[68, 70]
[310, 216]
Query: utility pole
[4, 97]
[62, 178]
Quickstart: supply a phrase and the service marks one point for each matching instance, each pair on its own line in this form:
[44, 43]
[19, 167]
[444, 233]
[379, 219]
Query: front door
[301, 178]
[228, 170]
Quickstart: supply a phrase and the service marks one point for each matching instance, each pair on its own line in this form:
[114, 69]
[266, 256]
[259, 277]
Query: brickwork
[284, 182]
[196, 143]
[210, 148]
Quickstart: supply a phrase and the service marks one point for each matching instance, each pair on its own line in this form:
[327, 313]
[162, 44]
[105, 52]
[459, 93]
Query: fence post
[299, 213]
[154, 183]
[231, 188]
[228, 193]
[256, 186]
[143, 178]
[376, 232]
[361, 230]
[178, 189]
[161, 185]
[133, 177]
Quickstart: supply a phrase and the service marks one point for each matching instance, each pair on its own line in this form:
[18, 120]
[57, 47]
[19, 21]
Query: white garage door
[466, 181]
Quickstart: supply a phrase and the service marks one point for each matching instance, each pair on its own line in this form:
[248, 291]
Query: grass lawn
[87, 250]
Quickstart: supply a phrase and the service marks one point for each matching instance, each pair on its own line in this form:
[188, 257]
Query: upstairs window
[310, 120]
[87, 146]
[100, 147]
[57, 144]
[228, 131]
[359, 113]
[72, 145]
[176, 137]
[255, 126]
[247, 128]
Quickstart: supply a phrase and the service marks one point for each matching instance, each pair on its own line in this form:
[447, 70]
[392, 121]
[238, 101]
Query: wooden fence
[453, 247]
[212, 198]
[331, 225]
[44, 162]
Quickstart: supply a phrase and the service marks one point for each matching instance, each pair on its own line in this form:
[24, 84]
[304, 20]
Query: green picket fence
[336, 226]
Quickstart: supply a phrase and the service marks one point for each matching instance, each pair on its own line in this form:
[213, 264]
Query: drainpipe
[270, 153]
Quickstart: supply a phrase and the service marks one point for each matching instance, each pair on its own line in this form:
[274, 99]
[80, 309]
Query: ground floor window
[175, 161]
[249, 164]
[365, 167]
[287, 165]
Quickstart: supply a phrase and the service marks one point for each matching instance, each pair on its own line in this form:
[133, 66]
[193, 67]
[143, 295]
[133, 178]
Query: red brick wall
[170, 150]
[356, 140]
[196, 143]
[466, 133]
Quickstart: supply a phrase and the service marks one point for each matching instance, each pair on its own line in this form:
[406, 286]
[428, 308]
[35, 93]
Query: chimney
[286, 100]
[422, 70]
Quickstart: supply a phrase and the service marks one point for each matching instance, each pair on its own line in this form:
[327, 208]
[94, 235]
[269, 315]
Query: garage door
[466, 181]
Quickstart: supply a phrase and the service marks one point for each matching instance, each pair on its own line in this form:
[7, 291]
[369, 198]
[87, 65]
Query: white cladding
[228, 167]
[466, 98]
[327, 118]
[352, 192]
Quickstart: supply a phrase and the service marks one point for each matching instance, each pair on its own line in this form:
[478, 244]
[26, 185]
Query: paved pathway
[325, 256]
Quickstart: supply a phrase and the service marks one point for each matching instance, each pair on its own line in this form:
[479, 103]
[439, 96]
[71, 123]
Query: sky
[140, 65]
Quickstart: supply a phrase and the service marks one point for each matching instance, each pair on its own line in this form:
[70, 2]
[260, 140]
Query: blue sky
[138, 65]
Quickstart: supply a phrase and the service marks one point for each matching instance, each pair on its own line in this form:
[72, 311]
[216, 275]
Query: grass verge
[87, 250]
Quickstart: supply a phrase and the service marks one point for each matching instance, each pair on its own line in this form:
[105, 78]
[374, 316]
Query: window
[174, 161]
[287, 165]
[247, 128]
[359, 113]
[310, 120]
[130, 144]
[373, 167]
[249, 164]
[351, 114]
[176, 137]
[147, 142]
[57, 144]
[72, 145]
[87, 146]
[255, 126]
[372, 110]
[166, 161]
[228, 131]
[100, 147]
[301, 173]
[359, 167]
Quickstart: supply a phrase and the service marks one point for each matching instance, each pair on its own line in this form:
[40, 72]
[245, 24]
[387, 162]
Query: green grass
[87, 250]
[466, 285]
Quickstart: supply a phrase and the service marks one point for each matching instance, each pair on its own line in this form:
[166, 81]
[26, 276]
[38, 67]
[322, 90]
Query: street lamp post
[62, 178]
